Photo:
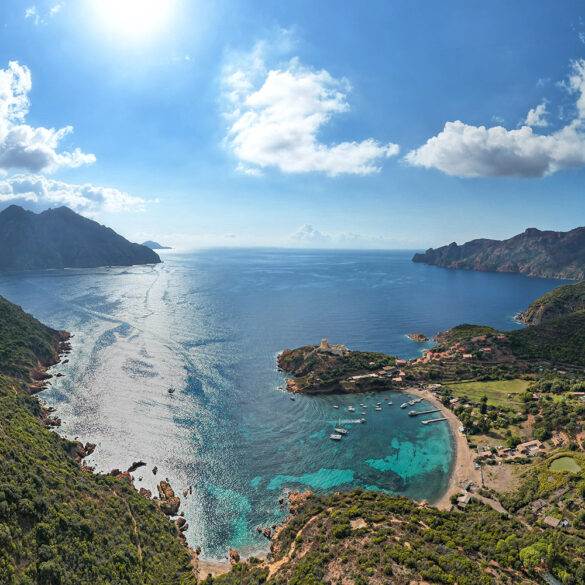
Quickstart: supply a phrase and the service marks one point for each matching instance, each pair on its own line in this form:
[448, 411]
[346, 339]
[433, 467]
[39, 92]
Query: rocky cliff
[561, 301]
[61, 238]
[547, 254]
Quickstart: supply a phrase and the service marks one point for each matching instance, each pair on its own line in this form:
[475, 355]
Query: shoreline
[463, 466]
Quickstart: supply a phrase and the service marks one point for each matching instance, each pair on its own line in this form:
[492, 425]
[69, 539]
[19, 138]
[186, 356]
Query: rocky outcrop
[136, 465]
[418, 337]
[169, 503]
[546, 254]
[61, 238]
[234, 556]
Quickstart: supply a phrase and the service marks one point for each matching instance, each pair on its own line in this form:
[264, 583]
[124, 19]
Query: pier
[426, 422]
[417, 412]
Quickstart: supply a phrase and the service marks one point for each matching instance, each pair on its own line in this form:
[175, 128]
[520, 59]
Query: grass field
[499, 393]
[565, 464]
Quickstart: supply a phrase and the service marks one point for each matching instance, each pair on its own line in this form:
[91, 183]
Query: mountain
[155, 245]
[561, 301]
[61, 238]
[546, 254]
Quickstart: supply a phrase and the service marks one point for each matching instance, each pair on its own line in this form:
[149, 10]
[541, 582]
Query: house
[400, 362]
[467, 356]
[463, 500]
[557, 439]
[537, 505]
[397, 379]
[486, 349]
[531, 448]
[504, 452]
[552, 522]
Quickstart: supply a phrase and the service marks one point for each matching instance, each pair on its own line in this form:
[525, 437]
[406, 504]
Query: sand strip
[464, 467]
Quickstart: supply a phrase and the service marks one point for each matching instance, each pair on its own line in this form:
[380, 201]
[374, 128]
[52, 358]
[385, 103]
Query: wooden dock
[426, 422]
[419, 412]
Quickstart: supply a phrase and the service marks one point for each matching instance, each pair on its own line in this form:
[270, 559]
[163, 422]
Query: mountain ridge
[61, 238]
[546, 254]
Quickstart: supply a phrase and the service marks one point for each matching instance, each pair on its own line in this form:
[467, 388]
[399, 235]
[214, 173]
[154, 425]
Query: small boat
[292, 397]
[362, 420]
[385, 398]
[404, 405]
[351, 409]
[335, 406]
[171, 390]
[364, 406]
[335, 437]
[378, 408]
[412, 402]
[363, 412]
[280, 387]
[390, 403]
[341, 430]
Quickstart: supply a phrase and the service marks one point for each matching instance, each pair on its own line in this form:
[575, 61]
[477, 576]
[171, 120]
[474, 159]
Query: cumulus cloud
[308, 237]
[276, 116]
[85, 198]
[464, 150]
[536, 116]
[23, 146]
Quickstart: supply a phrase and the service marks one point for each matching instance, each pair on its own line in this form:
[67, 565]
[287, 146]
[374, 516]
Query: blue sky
[391, 124]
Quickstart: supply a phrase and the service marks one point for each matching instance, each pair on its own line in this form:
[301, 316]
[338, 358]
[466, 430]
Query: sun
[133, 18]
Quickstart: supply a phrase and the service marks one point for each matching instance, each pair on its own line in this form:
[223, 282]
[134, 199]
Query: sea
[209, 326]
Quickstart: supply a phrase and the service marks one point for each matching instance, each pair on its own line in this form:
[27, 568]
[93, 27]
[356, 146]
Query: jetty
[431, 420]
[418, 412]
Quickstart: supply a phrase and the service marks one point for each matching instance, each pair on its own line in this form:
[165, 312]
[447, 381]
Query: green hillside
[58, 524]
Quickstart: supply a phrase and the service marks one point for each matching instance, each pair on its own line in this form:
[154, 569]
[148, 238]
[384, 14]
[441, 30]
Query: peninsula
[547, 254]
[61, 238]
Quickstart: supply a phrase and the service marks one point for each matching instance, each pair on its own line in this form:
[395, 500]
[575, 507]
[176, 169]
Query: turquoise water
[211, 324]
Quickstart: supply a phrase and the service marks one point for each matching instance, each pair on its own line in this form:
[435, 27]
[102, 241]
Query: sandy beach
[463, 468]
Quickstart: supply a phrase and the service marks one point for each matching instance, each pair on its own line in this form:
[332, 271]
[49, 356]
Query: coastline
[463, 469]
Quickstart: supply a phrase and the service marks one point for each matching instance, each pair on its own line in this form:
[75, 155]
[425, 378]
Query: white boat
[341, 430]
[362, 420]
[336, 406]
[351, 409]
[363, 412]
[335, 437]
[378, 408]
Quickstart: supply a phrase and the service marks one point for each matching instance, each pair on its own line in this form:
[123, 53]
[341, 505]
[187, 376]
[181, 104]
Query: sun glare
[133, 18]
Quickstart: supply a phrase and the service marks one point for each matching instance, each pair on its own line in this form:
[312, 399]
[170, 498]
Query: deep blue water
[211, 324]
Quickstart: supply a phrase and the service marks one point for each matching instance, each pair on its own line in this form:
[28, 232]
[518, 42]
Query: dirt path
[464, 466]
[135, 529]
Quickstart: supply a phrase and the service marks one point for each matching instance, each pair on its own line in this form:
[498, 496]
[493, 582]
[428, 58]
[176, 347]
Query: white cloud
[85, 198]
[55, 9]
[307, 234]
[476, 151]
[23, 146]
[276, 117]
[32, 14]
[309, 237]
[536, 116]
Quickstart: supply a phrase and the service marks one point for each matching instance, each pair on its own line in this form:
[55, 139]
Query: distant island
[61, 238]
[547, 254]
[155, 245]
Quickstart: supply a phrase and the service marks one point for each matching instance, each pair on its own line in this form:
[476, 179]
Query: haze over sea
[210, 324]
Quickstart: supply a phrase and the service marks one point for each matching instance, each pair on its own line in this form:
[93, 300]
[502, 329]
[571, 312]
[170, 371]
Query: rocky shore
[418, 337]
